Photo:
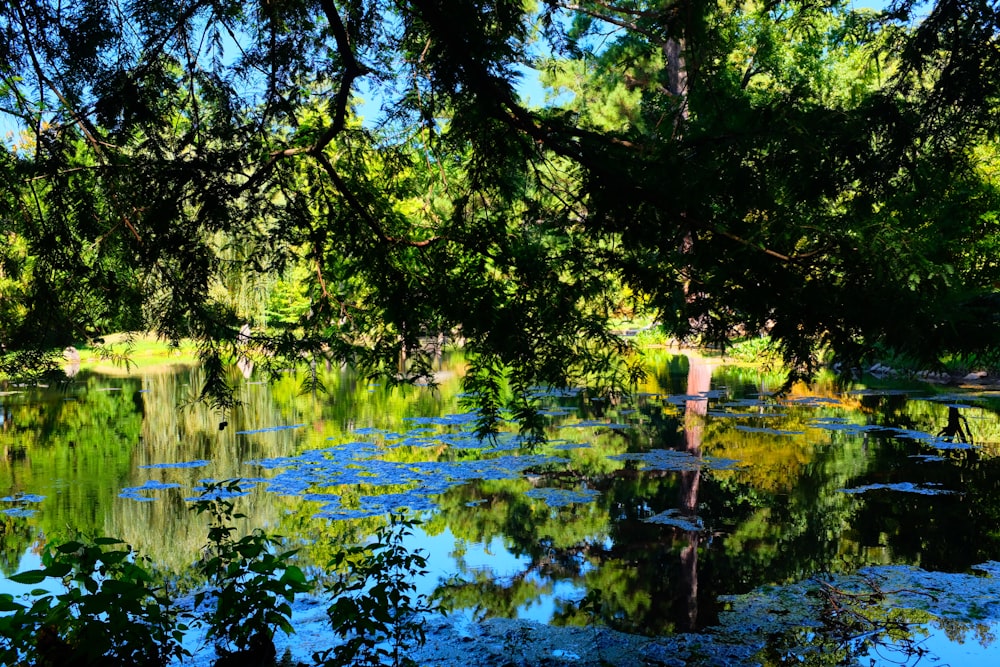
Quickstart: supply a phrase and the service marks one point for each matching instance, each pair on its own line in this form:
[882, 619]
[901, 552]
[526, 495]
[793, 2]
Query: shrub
[111, 613]
[253, 587]
[373, 608]
[756, 350]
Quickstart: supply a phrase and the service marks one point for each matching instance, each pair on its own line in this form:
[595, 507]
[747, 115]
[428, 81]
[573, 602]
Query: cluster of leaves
[375, 609]
[253, 587]
[112, 611]
[821, 173]
[116, 610]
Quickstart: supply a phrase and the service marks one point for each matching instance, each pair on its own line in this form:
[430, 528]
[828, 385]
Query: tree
[793, 167]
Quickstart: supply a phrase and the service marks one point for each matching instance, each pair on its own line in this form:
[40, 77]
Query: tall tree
[791, 167]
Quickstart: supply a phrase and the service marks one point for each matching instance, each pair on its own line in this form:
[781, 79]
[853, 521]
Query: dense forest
[349, 179]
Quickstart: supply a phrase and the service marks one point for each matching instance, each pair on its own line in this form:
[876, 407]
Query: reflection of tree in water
[889, 407]
[16, 536]
[957, 428]
[644, 574]
[699, 382]
[858, 623]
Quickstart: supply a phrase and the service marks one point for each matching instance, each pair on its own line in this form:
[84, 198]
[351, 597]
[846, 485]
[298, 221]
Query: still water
[700, 504]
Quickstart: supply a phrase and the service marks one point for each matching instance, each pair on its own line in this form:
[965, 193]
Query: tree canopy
[372, 175]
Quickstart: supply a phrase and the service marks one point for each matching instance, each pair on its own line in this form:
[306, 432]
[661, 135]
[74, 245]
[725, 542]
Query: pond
[859, 522]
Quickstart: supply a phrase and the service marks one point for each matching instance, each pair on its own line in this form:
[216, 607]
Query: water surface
[701, 501]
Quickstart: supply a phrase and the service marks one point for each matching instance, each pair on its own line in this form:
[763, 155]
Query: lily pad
[23, 498]
[906, 487]
[200, 463]
[673, 460]
[677, 519]
[562, 497]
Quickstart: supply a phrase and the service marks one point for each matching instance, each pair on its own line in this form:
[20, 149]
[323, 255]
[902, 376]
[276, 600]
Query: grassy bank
[125, 352]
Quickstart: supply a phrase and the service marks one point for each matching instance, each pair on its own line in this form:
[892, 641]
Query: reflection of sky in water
[492, 559]
[29, 561]
[944, 651]
[543, 607]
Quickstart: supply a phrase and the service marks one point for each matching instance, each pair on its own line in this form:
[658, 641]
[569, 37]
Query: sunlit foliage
[362, 181]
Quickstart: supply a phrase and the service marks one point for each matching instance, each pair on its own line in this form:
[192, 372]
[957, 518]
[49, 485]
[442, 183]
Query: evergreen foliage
[822, 174]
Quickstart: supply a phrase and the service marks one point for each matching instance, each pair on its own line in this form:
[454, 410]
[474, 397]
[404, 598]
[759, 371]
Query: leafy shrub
[111, 613]
[114, 613]
[756, 350]
[253, 587]
[985, 360]
[373, 608]
[652, 336]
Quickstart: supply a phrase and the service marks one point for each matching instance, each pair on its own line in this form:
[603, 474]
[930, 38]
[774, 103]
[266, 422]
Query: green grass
[123, 351]
[756, 350]
[653, 336]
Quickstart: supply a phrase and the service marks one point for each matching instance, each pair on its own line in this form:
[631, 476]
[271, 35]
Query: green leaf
[294, 574]
[114, 557]
[69, 547]
[29, 577]
[59, 570]
[7, 603]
